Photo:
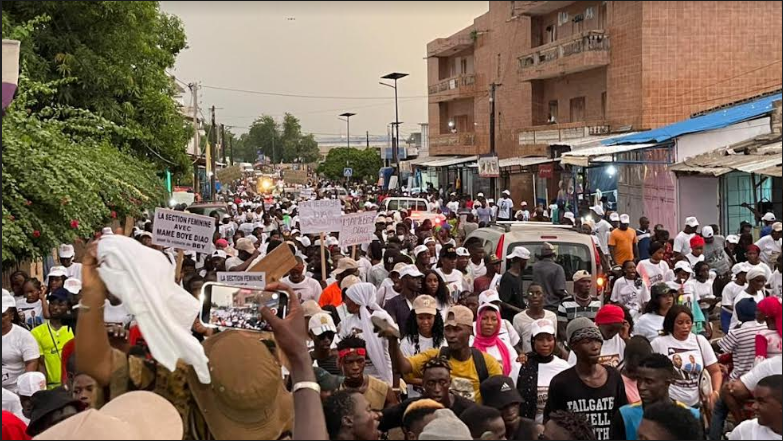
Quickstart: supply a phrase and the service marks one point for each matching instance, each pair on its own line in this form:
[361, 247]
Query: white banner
[183, 231]
[318, 216]
[357, 228]
[306, 193]
[488, 166]
[257, 280]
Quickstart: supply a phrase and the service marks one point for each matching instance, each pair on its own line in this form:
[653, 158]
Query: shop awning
[765, 160]
[447, 161]
[520, 161]
[602, 153]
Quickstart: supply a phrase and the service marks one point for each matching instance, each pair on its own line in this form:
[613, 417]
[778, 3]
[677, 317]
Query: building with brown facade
[568, 72]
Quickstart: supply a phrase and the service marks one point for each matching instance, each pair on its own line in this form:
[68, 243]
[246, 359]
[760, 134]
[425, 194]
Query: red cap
[221, 243]
[697, 241]
[609, 314]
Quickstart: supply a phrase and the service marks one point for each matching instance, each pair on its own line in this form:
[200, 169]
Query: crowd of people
[420, 334]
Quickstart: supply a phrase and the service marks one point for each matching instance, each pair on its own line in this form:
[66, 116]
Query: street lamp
[395, 76]
[347, 116]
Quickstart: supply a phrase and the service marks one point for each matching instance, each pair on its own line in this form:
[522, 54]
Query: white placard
[183, 231]
[318, 216]
[239, 278]
[306, 193]
[357, 228]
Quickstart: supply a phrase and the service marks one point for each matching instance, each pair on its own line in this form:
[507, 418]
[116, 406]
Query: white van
[417, 208]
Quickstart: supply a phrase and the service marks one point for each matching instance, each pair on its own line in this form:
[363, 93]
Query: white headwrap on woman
[363, 294]
[756, 271]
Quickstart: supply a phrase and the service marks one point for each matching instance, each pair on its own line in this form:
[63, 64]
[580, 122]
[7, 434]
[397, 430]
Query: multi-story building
[570, 70]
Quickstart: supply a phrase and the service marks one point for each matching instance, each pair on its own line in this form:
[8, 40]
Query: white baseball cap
[581, 274]
[741, 267]
[56, 271]
[768, 217]
[480, 195]
[691, 222]
[568, 215]
[683, 265]
[707, 232]
[410, 270]
[8, 301]
[506, 192]
[614, 217]
[73, 285]
[625, 219]
[520, 252]
[420, 249]
[29, 383]
[463, 252]
[542, 326]
[220, 253]
[598, 210]
[732, 238]
[488, 296]
[107, 231]
[66, 251]
[320, 323]
[524, 203]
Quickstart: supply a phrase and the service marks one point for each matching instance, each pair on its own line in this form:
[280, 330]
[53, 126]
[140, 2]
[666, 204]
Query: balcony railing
[587, 41]
[445, 47]
[464, 82]
[561, 132]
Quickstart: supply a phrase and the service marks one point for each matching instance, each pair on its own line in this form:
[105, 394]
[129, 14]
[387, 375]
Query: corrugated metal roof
[583, 157]
[445, 161]
[520, 161]
[765, 160]
[714, 120]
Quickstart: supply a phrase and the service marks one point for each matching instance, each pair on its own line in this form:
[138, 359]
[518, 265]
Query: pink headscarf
[483, 343]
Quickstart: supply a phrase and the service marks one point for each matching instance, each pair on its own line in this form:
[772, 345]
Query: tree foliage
[282, 142]
[117, 54]
[365, 163]
[62, 176]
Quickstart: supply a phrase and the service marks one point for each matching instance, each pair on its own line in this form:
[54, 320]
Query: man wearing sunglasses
[322, 332]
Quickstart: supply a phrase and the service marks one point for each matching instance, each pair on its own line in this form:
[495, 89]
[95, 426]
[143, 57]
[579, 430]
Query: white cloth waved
[143, 279]
[363, 294]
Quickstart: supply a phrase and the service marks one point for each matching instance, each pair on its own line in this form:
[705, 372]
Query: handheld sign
[240, 278]
[184, 231]
[320, 216]
[275, 265]
[357, 228]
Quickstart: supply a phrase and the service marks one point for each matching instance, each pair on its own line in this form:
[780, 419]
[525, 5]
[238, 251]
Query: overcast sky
[334, 49]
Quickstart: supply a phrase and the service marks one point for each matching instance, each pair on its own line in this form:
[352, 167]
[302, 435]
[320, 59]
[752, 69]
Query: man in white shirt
[305, 287]
[72, 269]
[770, 244]
[523, 214]
[682, 242]
[654, 269]
[505, 206]
[601, 229]
[768, 424]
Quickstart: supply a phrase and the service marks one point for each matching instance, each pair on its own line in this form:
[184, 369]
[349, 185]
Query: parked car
[417, 208]
[208, 208]
[575, 251]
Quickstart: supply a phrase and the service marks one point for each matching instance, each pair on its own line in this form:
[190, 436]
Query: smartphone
[238, 307]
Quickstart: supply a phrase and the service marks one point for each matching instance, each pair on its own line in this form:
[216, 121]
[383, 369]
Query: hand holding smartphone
[238, 307]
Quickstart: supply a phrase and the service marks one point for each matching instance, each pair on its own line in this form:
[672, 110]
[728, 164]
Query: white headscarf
[363, 294]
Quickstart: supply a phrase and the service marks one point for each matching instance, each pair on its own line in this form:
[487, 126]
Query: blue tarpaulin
[711, 121]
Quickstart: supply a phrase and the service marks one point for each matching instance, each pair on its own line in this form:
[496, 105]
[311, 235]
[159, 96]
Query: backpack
[478, 361]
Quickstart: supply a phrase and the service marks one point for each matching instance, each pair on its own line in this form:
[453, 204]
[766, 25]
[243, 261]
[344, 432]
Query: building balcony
[554, 133]
[446, 47]
[460, 86]
[584, 51]
[458, 144]
[532, 8]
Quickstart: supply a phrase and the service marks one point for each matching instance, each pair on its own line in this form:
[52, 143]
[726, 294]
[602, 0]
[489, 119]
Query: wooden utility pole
[213, 142]
[196, 136]
[223, 143]
[492, 181]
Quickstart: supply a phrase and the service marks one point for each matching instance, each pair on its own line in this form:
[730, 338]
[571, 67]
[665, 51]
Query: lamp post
[395, 146]
[347, 116]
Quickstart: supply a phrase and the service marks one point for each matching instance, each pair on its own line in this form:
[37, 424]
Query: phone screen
[238, 307]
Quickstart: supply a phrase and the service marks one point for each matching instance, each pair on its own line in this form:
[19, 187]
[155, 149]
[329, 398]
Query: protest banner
[240, 278]
[357, 228]
[306, 193]
[275, 264]
[488, 166]
[295, 176]
[320, 216]
[229, 174]
[184, 231]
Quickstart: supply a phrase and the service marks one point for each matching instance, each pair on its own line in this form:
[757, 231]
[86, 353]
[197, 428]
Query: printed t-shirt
[463, 373]
[688, 362]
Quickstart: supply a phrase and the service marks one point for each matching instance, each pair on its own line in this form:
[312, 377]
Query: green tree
[365, 163]
[117, 54]
[283, 142]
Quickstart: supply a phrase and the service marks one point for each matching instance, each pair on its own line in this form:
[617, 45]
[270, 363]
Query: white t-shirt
[477, 270]
[759, 296]
[522, 324]
[546, 372]
[364, 268]
[682, 243]
[626, 293]
[307, 289]
[688, 292]
[688, 362]
[704, 289]
[116, 314]
[612, 353]
[601, 231]
[649, 326]
[19, 346]
[505, 207]
[769, 248]
[523, 215]
[385, 292]
[752, 430]
[75, 270]
[770, 366]
[777, 284]
[730, 292]
[11, 403]
[652, 273]
[33, 312]
[693, 260]
[453, 206]
[455, 283]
